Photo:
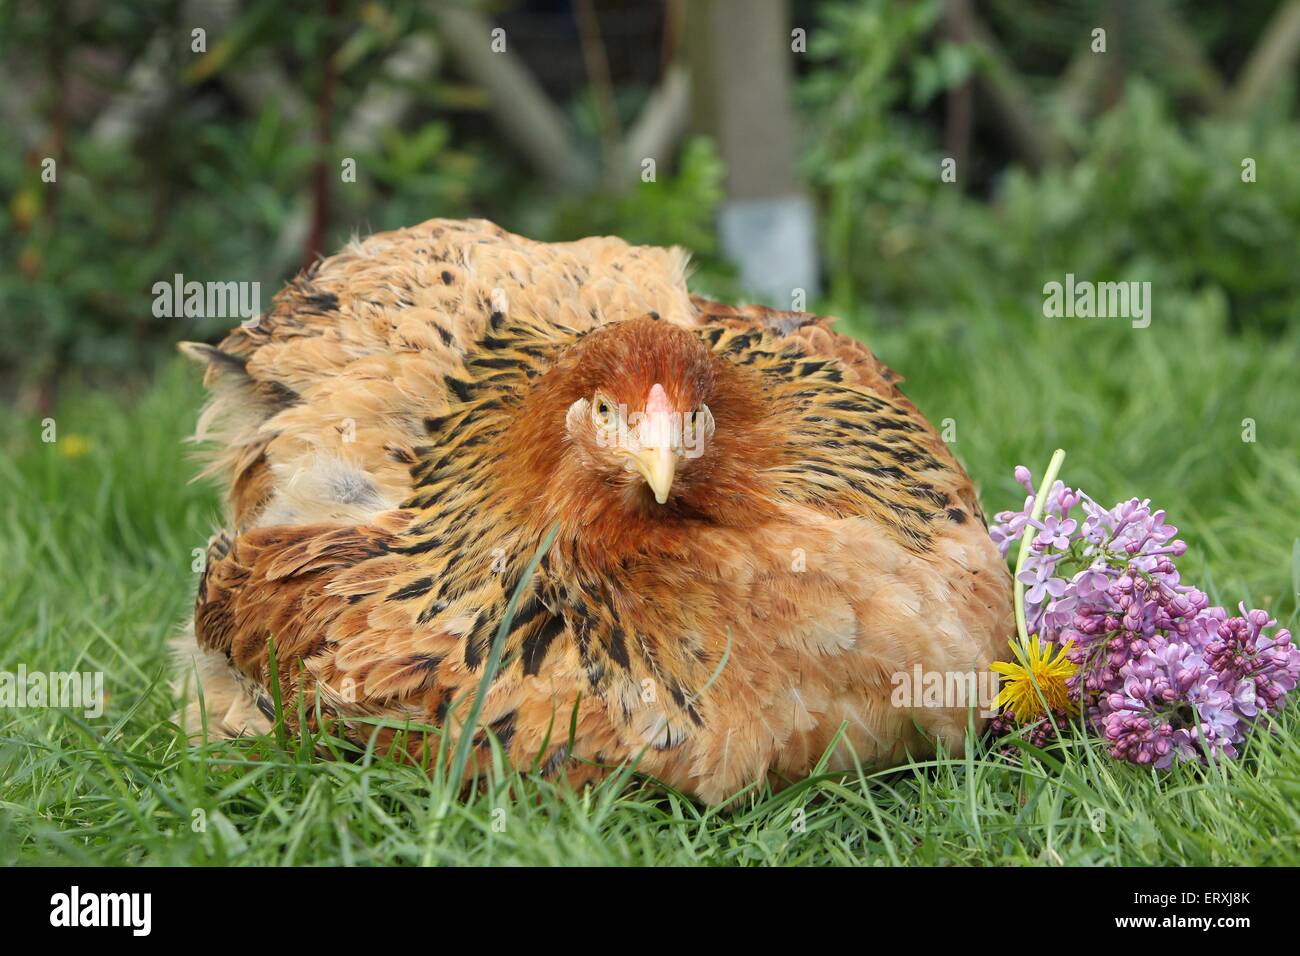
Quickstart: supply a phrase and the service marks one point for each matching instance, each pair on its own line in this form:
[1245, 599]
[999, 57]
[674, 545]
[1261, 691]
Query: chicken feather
[402, 428]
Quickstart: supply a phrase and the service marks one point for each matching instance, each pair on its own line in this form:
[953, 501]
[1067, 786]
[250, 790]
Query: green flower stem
[1026, 539]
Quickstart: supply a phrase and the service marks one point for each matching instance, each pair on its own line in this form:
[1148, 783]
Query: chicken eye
[602, 412]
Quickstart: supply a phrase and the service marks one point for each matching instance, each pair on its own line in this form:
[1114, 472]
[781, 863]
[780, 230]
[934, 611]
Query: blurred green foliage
[673, 210]
[876, 170]
[1151, 201]
[1147, 198]
[218, 183]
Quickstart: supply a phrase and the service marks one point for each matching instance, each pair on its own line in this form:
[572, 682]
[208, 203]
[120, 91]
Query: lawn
[97, 546]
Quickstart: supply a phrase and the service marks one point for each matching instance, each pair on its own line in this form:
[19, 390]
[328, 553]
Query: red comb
[658, 400]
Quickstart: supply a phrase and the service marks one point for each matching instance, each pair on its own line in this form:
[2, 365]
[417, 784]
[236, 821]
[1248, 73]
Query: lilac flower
[1090, 583]
[1161, 675]
[1039, 735]
[1008, 526]
[1060, 499]
[1133, 735]
[1097, 522]
[1025, 478]
[1215, 731]
[1037, 574]
[1259, 670]
[1055, 532]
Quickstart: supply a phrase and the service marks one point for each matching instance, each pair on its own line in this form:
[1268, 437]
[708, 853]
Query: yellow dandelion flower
[74, 446]
[1041, 668]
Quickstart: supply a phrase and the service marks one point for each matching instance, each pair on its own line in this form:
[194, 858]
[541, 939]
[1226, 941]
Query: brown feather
[398, 434]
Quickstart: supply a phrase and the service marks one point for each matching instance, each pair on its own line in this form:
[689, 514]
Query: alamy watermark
[922, 689]
[179, 299]
[1084, 299]
[41, 690]
[75, 908]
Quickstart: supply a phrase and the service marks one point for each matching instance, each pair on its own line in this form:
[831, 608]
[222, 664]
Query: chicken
[755, 532]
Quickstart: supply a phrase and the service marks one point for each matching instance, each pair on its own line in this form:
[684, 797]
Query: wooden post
[741, 65]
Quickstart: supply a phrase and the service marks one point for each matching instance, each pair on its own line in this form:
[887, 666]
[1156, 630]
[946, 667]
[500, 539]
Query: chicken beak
[656, 457]
[657, 466]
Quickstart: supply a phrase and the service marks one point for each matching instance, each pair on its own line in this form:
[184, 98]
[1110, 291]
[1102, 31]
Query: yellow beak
[657, 466]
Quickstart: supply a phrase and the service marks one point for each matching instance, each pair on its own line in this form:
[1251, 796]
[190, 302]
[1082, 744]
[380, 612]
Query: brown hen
[757, 533]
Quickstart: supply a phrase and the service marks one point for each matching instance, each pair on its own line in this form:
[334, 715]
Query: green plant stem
[465, 741]
[1026, 539]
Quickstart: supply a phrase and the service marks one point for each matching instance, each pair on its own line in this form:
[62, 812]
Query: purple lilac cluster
[1161, 673]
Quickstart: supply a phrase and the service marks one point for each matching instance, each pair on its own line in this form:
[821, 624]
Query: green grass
[96, 556]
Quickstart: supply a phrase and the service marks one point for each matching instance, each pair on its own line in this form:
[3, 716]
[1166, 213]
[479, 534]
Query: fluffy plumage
[400, 431]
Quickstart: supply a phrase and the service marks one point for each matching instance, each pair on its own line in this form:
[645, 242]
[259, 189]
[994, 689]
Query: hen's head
[654, 424]
[642, 414]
